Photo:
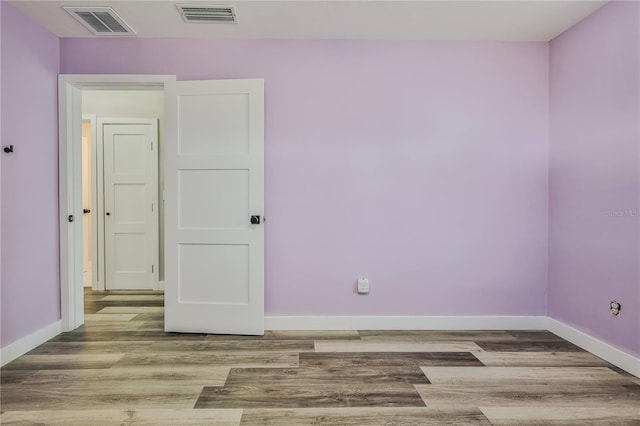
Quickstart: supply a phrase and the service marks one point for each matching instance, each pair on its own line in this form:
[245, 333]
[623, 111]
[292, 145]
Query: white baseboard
[615, 356]
[405, 323]
[27, 343]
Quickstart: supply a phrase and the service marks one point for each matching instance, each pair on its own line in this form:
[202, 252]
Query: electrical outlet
[363, 285]
[615, 308]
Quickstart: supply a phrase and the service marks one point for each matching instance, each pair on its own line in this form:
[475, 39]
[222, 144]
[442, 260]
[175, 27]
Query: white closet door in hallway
[130, 148]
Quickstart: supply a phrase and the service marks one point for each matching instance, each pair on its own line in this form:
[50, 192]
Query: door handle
[255, 220]
[108, 213]
[85, 211]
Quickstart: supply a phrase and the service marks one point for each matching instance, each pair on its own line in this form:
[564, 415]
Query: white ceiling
[300, 19]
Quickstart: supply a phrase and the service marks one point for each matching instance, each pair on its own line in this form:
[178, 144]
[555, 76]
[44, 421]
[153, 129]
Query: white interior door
[130, 204]
[214, 183]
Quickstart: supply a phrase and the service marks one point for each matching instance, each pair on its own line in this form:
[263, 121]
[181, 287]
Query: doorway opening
[121, 230]
[122, 180]
[110, 120]
[89, 201]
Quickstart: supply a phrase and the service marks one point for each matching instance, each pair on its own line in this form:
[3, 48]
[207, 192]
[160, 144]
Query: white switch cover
[363, 285]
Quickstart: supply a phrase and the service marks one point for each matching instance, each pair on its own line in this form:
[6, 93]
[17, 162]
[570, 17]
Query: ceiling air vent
[210, 14]
[102, 21]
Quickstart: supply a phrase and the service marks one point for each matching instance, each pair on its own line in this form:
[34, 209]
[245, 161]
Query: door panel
[224, 115]
[226, 204]
[130, 203]
[214, 183]
[225, 267]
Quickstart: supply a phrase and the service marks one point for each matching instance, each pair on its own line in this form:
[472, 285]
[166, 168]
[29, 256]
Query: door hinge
[70, 218]
[151, 207]
[152, 146]
[152, 269]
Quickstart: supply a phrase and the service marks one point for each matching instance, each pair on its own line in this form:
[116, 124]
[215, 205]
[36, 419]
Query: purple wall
[421, 165]
[594, 180]
[30, 287]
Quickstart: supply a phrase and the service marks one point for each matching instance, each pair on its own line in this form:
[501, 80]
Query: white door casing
[97, 269]
[87, 183]
[70, 190]
[214, 183]
[130, 203]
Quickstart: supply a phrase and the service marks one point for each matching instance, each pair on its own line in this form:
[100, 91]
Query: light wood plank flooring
[120, 368]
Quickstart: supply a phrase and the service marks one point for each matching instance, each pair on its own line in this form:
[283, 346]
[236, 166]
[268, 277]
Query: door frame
[70, 178]
[96, 280]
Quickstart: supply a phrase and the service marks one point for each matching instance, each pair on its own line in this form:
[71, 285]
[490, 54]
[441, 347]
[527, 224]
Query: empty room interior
[320, 212]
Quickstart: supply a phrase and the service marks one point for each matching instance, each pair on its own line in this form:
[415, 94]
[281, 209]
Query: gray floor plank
[363, 416]
[138, 417]
[545, 395]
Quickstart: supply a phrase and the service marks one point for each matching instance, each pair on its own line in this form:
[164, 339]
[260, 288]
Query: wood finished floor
[121, 368]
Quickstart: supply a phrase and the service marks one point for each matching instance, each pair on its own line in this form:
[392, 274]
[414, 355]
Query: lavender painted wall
[421, 165]
[30, 287]
[594, 253]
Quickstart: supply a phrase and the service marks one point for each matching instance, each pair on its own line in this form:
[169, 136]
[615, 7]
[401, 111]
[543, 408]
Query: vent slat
[206, 10]
[207, 18]
[209, 14]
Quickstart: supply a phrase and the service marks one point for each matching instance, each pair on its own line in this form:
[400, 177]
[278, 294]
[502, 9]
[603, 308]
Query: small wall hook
[8, 149]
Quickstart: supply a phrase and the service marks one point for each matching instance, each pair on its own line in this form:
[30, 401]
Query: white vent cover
[102, 21]
[209, 14]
